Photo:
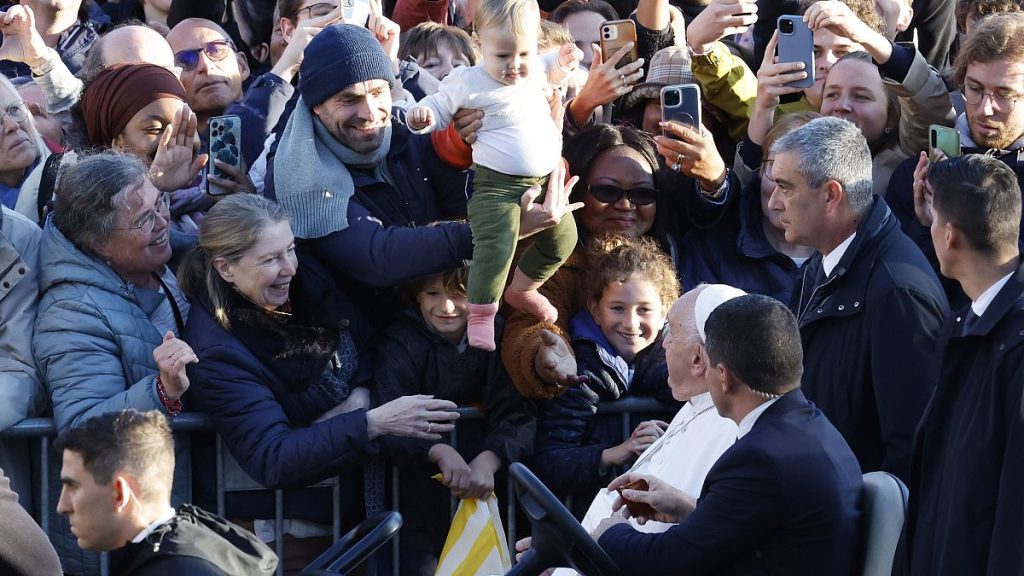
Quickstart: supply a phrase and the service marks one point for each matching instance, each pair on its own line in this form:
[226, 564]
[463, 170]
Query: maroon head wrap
[117, 93]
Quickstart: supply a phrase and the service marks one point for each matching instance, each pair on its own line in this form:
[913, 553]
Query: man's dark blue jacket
[785, 499]
[870, 333]
[967, 477]
[390, 239]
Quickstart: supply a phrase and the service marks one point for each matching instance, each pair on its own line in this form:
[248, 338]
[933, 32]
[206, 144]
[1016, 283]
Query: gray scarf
[311, 178]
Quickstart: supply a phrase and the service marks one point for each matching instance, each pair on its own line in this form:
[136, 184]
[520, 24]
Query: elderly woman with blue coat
[110, 312]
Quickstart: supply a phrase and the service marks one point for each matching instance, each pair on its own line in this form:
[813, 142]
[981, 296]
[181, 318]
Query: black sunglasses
[609, 194]
[215, 51]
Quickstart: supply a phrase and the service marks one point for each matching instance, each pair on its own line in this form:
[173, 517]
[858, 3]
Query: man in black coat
[116, 478]
[869, 305]
[967, 473]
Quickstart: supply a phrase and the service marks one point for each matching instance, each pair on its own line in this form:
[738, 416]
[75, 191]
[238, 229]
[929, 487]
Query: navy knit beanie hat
[338, 57]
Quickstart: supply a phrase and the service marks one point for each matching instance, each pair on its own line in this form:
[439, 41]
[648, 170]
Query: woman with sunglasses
[621, 192]
[623, 185]
[110, 312]
[621, 195]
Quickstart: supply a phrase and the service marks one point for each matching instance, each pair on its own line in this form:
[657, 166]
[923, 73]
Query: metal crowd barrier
[44, 431]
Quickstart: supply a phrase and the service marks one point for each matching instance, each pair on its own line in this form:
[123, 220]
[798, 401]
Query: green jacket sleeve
[728, 85]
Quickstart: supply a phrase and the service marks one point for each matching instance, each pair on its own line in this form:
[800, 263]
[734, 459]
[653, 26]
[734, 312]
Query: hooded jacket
[93, 346]
[570, 433]
[196, 543]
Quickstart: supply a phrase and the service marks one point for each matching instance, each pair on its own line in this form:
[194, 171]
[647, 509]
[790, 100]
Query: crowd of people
[422, 205]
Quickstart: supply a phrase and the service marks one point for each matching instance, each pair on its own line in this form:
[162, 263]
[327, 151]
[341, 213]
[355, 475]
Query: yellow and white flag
[476, 543]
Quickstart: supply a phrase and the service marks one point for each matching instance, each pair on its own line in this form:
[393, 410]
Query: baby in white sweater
[517, 147]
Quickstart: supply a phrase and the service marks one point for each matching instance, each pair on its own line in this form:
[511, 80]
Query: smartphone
[637, 508]
[356, 11]
[681, 102]
[225, 145]
[944, 138]
[796, 44]
[614, 35]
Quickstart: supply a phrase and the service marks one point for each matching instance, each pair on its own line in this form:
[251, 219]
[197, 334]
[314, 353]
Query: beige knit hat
[668, 66]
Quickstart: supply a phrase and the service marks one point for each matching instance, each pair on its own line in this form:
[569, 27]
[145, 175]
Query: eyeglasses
[766, 170]
[215, 51]
[16, 111]
[148, 221]
[318, 10]
[609, 194]
[1002, 101]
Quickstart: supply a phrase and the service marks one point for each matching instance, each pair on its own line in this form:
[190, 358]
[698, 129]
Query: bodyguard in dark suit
[785, 499]
[967, 477]
[870, 307]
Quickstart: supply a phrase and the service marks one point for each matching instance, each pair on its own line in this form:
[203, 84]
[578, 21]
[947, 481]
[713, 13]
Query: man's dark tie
[971, 320]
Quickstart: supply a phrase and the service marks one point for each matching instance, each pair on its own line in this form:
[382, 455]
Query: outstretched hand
[555, 363]
[535, 217]
[419, 416]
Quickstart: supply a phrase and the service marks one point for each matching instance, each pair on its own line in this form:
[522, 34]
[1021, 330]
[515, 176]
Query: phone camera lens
[673, 98]
[786, 26]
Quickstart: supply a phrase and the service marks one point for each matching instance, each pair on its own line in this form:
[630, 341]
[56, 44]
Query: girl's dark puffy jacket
[570, 434]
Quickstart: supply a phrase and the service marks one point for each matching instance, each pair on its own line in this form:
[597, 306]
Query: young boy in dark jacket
[425, 351]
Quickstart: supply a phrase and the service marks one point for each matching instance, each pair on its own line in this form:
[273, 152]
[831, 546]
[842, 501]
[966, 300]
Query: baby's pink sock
[480, 328]
[533, 302]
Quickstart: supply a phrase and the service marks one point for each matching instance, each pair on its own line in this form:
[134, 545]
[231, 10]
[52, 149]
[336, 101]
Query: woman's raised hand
[174, 166]
[171, 357]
